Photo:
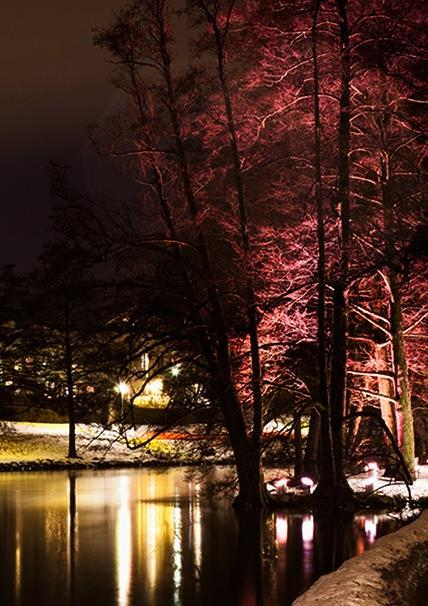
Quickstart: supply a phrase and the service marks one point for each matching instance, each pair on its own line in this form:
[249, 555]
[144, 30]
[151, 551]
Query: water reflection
[123, 545]
[308, 547]
[308, 529]
[72, 536]
[148, 521]
[18, 565]
[177, 554]
[144, 537]
[197, 531]
[281, 529]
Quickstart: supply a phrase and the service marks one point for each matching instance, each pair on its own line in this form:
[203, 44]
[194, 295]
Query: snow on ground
[390, 486]
[387, 575]
[24, 443]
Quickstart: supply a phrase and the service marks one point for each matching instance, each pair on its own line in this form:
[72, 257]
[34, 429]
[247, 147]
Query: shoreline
[76, 464]
[28, 447]
[389, 573]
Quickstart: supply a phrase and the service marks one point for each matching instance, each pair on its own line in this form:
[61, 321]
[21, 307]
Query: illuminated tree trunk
[328, 466]
[340, 303]
[247, 453]
[402, 384]
[407, 440]
[251, 303]
[332, 489]
[386, 388]
[206, 309]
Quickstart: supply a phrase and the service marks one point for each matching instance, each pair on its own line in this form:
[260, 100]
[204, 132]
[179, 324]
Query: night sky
[53, 83]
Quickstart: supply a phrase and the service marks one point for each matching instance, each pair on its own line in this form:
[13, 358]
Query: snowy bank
[386, 575]
[35, 446]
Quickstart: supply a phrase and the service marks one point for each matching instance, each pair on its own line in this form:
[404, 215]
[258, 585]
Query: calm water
[156, 538]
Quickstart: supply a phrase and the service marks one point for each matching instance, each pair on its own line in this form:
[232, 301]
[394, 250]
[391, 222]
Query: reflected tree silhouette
[334, 542]
[249, 572]
[72, 543]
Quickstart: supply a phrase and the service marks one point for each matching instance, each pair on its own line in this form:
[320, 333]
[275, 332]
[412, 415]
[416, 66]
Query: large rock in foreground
[386, 575]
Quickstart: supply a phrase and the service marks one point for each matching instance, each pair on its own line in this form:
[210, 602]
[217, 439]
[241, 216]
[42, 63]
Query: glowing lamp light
[279, 485]
[122, 388]
[308, 484]
[373, 468]
[175, 370]
[369, 483]
[373, 471]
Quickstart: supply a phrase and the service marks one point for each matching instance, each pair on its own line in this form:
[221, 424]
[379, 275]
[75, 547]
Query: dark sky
[53, 83]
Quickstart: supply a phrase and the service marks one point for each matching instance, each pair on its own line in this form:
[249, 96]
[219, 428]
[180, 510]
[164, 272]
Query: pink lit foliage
[268, 65]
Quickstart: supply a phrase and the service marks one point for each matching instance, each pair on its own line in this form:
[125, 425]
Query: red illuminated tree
[139, 39]
[256, 168]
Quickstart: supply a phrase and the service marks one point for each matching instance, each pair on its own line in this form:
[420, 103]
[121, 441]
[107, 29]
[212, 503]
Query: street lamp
[175, 370]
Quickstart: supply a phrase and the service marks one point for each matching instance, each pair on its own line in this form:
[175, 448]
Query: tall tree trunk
[340, 303]
[401, 371]
[247, 455]
[251, 303]
[386, 388]
[403, 395]
[252, 493]
[68, 358]
[332, 488]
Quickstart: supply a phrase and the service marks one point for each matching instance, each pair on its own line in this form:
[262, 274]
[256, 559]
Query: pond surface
[157, 538]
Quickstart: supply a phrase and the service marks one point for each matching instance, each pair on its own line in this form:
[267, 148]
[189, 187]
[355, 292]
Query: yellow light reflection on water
[152, 530]
[197, 532]
[158, 535]
[177, 554]
[18, 567]
[123, 554]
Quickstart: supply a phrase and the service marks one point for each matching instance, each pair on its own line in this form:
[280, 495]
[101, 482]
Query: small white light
[122, 388]
[308, 484]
